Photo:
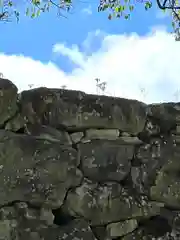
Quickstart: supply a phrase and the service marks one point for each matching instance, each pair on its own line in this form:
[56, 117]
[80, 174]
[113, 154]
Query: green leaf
[123, 7]
[127, 16]
[105, 7]
[36, 2]
[33, 15]
[131, 8]
[120, 8]
[67, 1]
[10, 3]
[27, 12]
[117, 9]
[49, 4]
[148, 5]
[38, 13]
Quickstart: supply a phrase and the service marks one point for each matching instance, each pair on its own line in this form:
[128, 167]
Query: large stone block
[119, 229]
[167, 185]
[75, 109]
[104, 160]
[101, 204]
[22, 222]
[36, 171]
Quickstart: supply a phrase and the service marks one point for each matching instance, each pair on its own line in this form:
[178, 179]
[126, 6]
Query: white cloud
[144, 68]
[93, 37]
[23, 71]
[72, 53]
[87, 10]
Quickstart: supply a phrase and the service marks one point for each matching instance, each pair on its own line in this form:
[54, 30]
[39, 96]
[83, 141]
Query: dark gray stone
[36, 171]
[75, 109]
[104, 160]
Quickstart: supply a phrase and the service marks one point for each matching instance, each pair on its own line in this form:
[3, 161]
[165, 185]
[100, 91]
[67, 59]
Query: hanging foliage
[115, 9]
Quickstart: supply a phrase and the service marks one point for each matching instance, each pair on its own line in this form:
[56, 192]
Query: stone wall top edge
[79, 93]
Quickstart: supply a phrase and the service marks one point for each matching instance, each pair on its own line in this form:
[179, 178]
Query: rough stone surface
[75, 166]
[48, 133]
[105, 203]
[116, 156]
[75, 109]
[37, 171]
[167, 183]
[8, 100]
[108, 134]
[16, 123]
[119, 229]
[154, 229]
[26, 223]
[77, 136]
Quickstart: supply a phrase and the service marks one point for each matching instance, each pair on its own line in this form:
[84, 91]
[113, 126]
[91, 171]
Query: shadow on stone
[156, 226]
[61, 218]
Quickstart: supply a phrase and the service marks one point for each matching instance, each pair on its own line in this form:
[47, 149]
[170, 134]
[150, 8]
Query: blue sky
[54, 51]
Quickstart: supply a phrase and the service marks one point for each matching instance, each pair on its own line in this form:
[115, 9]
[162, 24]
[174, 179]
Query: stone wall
[83, 167]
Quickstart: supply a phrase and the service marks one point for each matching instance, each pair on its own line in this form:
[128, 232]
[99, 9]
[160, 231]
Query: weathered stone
[120, 229]
[20, 213]
[106, 203]
[47, 216]
[99, 232]
[176, 131]
[139, 177]
[27, 223]
[75, 230]
[151, 127]
[167, 190]
[41, 172]
[145, 151]
[86, 167]
[147, 162]
[166, 115]
[173, 218]
[153, 229]
[176, 221]
[125, 134]
[6, 229]
[16, 123]
[131, 140]
[176, 139]
[103, 160]
[167, 185]
[48, 133]
[8, 100]
[8, 213]
[75, 109]
[107, 134]
[77, 136]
